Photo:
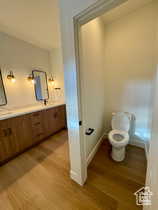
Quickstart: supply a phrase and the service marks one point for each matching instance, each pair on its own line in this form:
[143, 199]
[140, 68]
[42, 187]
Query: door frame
[92, 12]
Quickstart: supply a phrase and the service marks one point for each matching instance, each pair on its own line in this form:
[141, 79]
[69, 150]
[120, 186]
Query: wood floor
[39, 180]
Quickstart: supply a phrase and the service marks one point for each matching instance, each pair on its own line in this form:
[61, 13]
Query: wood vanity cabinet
[54, 119]
[20, 133]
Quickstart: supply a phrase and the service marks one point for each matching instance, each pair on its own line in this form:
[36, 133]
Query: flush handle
[89, 131]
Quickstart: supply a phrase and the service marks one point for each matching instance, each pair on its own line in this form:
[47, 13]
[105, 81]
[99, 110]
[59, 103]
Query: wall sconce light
[31, 79]
[51, 80]
[11, 77]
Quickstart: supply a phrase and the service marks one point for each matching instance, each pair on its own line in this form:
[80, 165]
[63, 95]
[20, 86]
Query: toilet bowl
[119, 136]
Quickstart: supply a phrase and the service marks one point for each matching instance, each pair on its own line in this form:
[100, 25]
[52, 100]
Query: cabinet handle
[38, 123]
[55, 115]
[9, 131]
[5, 132]
[40, 134]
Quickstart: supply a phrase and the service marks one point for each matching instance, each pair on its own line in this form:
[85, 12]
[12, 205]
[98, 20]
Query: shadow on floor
[22, 164]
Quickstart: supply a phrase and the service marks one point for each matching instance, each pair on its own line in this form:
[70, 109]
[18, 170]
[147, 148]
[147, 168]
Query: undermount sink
[5, 112]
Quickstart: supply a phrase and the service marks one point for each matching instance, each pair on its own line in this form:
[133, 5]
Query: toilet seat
[118, 138]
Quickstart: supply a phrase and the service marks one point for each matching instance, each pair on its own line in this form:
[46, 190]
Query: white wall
[130, 67]
[57, 70]
[92, 77]
[152, 172]
[21, 58]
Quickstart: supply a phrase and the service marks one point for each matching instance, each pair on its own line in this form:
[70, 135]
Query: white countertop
[10, 113]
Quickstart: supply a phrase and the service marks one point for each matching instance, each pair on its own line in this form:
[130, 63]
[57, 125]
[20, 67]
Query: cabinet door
[7, 145]
[21, 132]
[27, 131]
[15, 136]
[50, 121]
[54, 120]
[16, 127]
[61, 117]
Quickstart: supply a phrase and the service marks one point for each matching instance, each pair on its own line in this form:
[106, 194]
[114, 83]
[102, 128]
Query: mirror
[41, 86]
[3, 99]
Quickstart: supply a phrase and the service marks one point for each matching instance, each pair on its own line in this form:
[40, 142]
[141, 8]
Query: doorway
[88, 80]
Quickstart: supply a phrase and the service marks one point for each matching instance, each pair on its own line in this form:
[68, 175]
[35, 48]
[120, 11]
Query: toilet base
[118, 154]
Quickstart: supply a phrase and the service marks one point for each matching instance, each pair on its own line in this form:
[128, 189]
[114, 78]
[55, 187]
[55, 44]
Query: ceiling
[37, 21]
[124, 9]
[34, 21]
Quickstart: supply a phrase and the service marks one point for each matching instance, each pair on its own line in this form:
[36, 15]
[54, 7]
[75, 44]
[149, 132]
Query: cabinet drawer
[37, 130]
[36, 124]
[36, 117]
[37, 136]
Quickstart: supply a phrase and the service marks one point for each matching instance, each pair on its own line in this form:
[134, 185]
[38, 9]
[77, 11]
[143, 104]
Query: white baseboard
[137, 143]
[140, 143]
[74, 176]
[95, 149]
[146, 145]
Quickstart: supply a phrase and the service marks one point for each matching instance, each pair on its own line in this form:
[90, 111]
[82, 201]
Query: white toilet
[119, 136]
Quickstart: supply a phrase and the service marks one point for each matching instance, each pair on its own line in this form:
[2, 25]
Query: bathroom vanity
[23, 128]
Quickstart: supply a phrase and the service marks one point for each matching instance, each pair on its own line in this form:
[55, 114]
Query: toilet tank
[123, 121]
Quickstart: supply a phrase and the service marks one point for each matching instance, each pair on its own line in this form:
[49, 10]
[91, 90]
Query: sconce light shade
[51, 80]
[31, 79]
[11, 77]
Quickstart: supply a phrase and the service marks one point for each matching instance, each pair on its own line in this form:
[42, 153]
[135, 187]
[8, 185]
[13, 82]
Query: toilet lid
[120, 121]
